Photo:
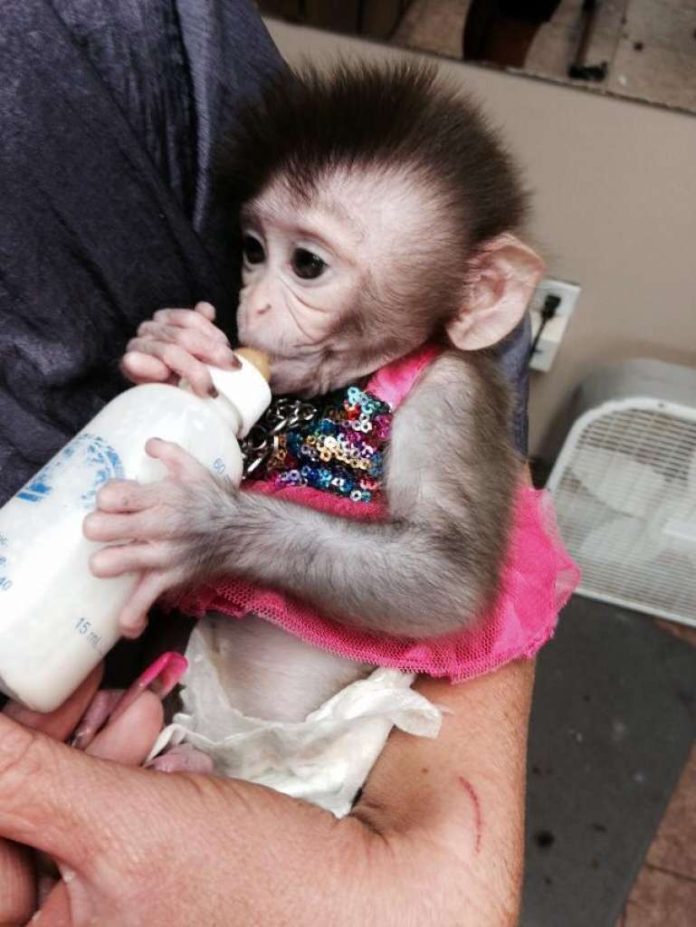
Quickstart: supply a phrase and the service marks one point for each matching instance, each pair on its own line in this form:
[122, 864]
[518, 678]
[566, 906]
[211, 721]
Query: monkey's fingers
[133, 617]
[183, 759]
[180, 464]
[205, 309]
[178, 361]
[191, 318]
[130, 558]
[127, 496]
[142, 526]
[139, 367]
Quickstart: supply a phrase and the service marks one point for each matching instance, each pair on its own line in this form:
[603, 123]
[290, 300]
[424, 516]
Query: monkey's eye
[306, 265]
[253, 250]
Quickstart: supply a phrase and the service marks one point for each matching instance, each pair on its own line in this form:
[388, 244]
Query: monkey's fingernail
[160, 677]
[213, 392]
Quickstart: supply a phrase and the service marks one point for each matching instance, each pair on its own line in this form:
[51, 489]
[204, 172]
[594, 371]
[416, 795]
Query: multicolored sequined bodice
[340, 450]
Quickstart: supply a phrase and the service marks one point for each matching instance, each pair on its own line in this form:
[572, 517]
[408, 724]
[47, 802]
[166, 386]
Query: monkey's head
[377, 213]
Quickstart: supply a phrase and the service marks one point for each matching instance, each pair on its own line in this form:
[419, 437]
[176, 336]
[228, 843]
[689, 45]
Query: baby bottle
[57, 620]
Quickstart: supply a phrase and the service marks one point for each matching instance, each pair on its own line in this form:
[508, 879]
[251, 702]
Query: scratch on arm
[478, 817]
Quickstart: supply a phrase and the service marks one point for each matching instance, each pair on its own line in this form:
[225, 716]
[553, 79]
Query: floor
[650, 45]
[664, 894]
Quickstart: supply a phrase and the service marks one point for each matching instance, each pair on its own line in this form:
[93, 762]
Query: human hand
[178, 343]
[135, 847]
[127, 738]
[436, 838]
[169, 531]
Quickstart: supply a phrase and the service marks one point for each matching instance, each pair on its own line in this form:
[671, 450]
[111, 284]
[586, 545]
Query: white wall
[614, 186]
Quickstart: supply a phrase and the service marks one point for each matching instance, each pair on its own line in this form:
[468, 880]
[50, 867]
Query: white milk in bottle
[57, 620]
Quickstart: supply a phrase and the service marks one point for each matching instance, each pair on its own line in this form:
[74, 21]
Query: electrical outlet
[554, 330]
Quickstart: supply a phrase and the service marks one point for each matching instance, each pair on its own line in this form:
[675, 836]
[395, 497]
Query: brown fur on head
[422, 197]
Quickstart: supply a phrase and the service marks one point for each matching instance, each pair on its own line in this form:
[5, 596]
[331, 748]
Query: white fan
[624, 486]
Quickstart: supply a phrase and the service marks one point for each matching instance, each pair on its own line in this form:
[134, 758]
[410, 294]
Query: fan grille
[631, 473]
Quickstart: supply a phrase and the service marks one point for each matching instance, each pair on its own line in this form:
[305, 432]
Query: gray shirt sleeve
[109, 115]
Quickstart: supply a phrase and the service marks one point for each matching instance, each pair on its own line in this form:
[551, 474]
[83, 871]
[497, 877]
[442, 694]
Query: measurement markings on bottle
[84, 628]
[5, 581]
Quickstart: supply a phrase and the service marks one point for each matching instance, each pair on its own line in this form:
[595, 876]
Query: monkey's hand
[163, 530]
[178, 343]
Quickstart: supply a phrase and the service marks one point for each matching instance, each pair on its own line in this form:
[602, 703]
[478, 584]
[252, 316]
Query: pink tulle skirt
[537, 579]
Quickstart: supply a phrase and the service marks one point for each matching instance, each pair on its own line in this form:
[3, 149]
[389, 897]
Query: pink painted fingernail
[160, 677]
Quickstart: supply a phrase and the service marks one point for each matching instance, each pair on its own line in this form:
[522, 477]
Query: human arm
[126, 738]
[435, 840]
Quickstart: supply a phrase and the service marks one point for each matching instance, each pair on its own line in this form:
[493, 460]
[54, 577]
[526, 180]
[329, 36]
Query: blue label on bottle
[89, 452]
[5, 581]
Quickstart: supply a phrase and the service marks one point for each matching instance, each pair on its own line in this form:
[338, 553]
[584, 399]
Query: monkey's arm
[427, 570]
[433, 565]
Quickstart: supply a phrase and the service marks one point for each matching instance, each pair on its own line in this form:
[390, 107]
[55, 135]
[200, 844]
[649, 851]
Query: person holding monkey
[137, 847]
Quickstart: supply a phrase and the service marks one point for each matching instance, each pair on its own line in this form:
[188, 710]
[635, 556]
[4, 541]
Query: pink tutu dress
[337, 469]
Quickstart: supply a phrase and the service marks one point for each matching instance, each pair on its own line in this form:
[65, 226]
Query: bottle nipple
[259, 359]
[245, 388]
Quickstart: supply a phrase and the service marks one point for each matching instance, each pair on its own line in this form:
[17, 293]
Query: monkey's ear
[503, 277]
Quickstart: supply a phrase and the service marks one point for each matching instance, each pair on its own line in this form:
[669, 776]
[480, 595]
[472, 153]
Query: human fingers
[87, 812]
[128, 739]
[56, 911]
[95, 717]
[17, 884]
[158, 679]
[108, 705]
[17, 871]
[54, 798]
[60, 723]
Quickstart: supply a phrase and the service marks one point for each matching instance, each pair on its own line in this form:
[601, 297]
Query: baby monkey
[377, 215]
